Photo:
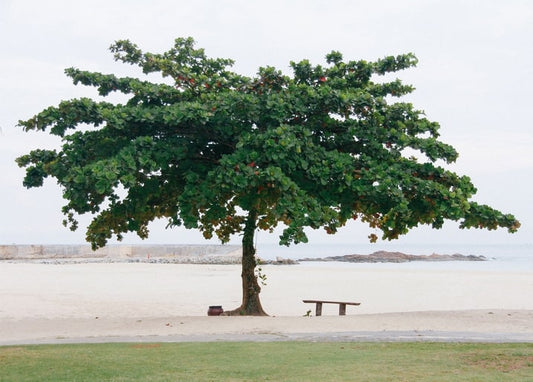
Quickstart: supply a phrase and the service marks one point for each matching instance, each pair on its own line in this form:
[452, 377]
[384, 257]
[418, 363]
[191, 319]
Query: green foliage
[208, 147]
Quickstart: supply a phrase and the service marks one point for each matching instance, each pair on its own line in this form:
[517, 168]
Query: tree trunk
[251, 305]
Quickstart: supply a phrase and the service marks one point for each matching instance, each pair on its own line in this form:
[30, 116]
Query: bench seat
[342, 305]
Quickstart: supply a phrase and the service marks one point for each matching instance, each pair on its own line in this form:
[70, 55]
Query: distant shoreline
[191, 254]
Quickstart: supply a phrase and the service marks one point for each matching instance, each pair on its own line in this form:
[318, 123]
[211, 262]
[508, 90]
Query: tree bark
[251, 304]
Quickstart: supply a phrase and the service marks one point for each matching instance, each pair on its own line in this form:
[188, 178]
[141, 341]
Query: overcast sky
[475, 77]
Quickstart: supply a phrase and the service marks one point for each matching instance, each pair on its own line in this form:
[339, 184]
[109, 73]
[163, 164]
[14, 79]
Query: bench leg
[318, 309]
[342, 309]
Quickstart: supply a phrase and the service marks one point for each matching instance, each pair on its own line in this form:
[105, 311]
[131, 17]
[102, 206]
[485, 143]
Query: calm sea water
[505, 257]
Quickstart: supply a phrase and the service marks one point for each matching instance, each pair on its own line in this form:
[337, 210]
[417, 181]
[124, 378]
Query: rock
[396, 257]
[278, 261]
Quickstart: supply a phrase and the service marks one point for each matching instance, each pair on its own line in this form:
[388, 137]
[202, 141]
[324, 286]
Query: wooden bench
[342, 305]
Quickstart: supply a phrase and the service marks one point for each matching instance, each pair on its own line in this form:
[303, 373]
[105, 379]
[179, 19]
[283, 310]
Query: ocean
[500, 257]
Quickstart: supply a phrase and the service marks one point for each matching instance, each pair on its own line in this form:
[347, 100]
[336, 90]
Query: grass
[270, 361]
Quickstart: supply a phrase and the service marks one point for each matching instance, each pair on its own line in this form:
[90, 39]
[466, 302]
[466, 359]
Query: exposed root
[242, 312]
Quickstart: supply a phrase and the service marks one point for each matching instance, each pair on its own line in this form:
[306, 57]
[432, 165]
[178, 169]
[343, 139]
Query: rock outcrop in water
[396, 257]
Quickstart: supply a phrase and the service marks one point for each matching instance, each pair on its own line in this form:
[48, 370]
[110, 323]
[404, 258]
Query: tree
[212, 150]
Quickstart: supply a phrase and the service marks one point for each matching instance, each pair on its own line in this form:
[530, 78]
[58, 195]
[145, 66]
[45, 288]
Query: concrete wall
[185, 253]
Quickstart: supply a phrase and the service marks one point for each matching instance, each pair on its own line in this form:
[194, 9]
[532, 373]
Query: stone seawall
[193, 254]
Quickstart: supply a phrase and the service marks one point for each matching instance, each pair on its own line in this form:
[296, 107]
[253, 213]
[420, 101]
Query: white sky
[475, 77]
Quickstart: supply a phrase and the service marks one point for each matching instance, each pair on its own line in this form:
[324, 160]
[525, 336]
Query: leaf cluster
[208, 148]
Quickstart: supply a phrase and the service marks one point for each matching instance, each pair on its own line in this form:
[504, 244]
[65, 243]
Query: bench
[342, 305]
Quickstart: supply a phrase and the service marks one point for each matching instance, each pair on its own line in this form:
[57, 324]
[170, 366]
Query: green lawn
[271, 361]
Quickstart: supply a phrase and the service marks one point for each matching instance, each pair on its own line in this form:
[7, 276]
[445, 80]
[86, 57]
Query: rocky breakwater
[396, 257]
[161, 254]
[278, 261]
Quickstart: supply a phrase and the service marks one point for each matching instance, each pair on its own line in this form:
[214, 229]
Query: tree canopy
[224, 153]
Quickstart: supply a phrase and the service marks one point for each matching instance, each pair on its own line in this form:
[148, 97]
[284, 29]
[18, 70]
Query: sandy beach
[101, 302]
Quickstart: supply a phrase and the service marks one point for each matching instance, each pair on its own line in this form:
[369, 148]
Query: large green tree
[213, 150]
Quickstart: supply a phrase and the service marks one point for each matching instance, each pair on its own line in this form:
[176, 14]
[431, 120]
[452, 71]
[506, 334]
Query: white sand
[50, 303]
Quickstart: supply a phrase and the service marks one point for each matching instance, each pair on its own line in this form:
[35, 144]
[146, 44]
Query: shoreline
[211, 254]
